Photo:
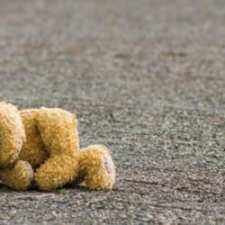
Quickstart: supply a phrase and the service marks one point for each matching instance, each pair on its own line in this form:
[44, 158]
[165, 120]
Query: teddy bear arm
[18, 177]
[96, 168]
[58, 130]
[33, 150]
[56, 171]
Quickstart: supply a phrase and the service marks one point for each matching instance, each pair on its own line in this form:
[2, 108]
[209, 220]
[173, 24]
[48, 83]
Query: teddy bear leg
[58, 130]
[18, 177]
[96, 168]
[12, 134]
[57, 171]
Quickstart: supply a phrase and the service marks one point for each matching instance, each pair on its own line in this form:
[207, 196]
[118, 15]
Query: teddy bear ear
[12, 134]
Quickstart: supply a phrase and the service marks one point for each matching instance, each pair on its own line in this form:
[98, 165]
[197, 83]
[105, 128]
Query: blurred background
[146, 78]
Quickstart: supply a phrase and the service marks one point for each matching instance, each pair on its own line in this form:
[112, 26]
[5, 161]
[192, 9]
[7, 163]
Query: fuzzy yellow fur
[33, 149]
[12, 134]
[51, 150]
[96, 168]
[18, 177]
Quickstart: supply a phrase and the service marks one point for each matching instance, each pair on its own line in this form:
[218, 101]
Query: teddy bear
[40, 147]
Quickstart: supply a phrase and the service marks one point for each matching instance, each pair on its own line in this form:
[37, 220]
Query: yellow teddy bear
[41, 147]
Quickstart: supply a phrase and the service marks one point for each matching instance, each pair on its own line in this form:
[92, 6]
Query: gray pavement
[146, 78]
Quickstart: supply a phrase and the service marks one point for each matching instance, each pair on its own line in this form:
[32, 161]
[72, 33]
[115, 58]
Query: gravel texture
[146, 78]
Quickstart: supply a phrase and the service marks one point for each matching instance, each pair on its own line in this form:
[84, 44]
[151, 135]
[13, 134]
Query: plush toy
[41, 147]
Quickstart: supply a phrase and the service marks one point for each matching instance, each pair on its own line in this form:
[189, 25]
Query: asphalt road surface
[147, 79]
